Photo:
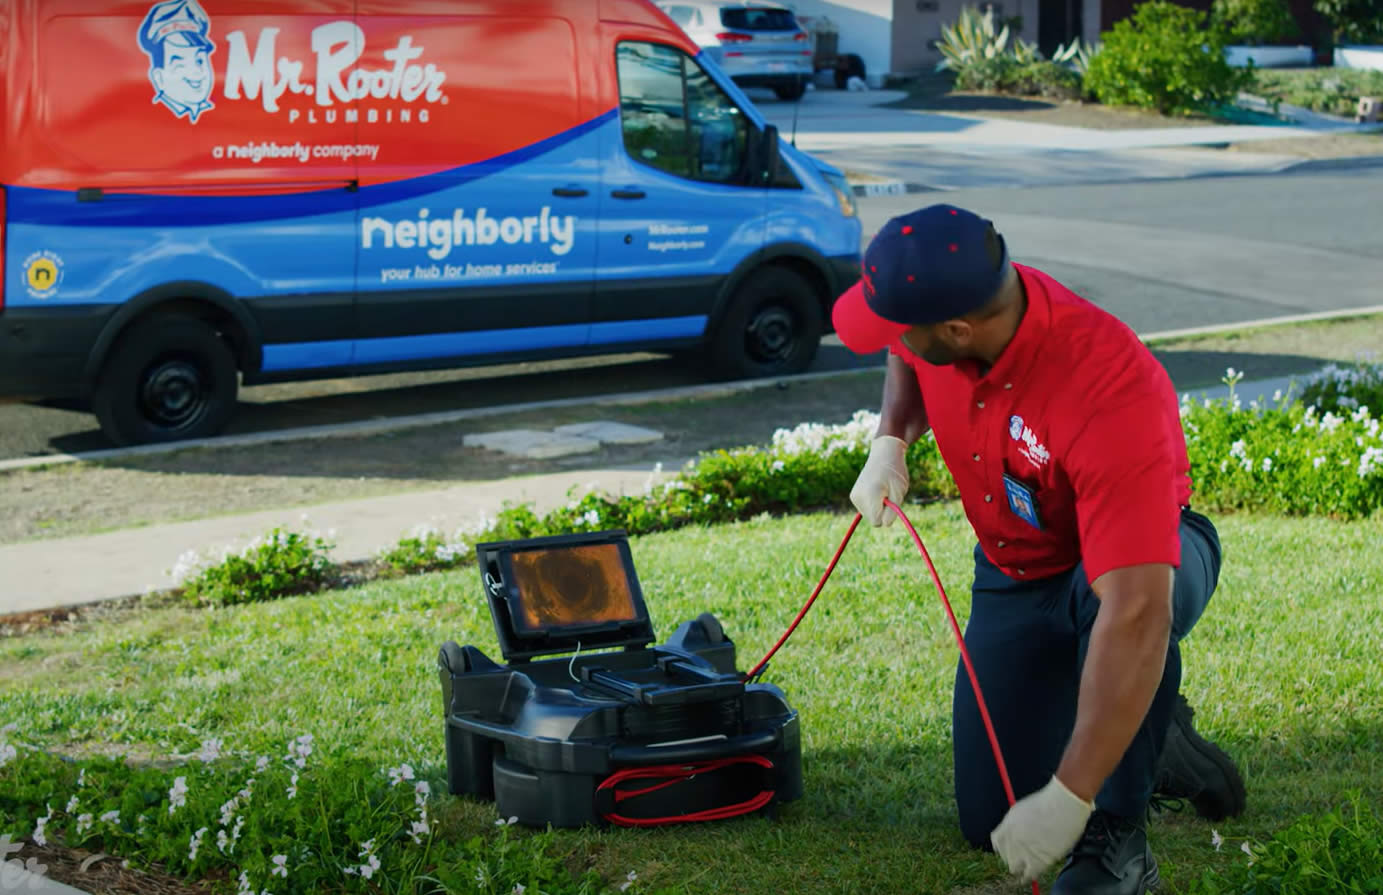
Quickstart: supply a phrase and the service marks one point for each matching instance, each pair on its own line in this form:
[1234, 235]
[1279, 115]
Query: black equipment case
[631, 735]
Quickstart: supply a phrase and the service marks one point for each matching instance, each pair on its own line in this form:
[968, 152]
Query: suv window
[684, 16]
[676, 118]
[751, 18]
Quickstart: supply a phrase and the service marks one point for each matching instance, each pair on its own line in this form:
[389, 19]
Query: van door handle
[569, 192]
[628, 194]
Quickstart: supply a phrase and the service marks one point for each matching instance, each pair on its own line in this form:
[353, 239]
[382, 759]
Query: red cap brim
[863, 331]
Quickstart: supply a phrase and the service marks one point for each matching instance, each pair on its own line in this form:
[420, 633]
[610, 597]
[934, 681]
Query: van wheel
[167, 379]
[849, 66]
[772, 327]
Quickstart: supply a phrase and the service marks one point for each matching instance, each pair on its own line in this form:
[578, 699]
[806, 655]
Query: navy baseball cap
[937, 263]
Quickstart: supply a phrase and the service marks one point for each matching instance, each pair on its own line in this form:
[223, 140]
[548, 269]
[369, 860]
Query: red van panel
[292, 96]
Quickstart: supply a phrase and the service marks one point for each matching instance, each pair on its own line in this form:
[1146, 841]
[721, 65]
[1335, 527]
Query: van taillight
[730, 37]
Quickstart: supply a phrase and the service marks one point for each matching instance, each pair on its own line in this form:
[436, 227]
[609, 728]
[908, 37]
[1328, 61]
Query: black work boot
[1111, 858]
[1195, 769]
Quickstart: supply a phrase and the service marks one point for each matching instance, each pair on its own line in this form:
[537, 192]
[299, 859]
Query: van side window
[675, 118]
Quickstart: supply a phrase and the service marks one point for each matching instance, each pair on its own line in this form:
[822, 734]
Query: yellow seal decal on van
[42, 272]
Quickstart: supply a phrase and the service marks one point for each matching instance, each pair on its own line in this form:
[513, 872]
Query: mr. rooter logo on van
[175, 35]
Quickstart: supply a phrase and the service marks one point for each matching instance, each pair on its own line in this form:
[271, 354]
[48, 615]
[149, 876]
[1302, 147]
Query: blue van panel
[664, 329]
[307, 355]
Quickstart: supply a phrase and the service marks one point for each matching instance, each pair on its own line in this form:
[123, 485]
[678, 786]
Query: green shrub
[291, 825]
[281, 564]
[1167, 58]
[1319, 854]
[425, 550]
[1354, 21]
[1334, 91]
[1291, 458]
[1255, 21]
[1047, 79]
[988, 75]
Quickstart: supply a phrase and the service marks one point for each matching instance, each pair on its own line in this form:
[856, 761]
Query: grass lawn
[1283, 671]
[1330, 90]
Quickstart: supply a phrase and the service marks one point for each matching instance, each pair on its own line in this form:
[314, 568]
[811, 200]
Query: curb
[1345, 163]
[22, 880]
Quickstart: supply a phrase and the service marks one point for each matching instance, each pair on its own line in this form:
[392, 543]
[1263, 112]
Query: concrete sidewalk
[16, 879]
[62, 572]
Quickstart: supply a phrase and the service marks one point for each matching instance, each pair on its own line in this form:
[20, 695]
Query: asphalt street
[1160, 254]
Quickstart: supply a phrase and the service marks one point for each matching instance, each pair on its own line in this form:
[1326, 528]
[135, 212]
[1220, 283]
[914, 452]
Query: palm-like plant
[972, 37]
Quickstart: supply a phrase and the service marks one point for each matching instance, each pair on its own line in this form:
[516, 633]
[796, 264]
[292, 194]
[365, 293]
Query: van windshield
[758, 18]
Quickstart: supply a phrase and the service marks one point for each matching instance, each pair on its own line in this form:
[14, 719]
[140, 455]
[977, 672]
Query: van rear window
[756, 18]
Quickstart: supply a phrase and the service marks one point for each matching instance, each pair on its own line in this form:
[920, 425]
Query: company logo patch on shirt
[1034, 451]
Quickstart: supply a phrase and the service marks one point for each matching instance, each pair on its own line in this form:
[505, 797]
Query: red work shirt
[1082, 416]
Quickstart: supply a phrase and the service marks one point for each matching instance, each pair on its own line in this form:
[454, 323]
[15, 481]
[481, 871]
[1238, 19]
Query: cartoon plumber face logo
[1015, 427]
[174, 37]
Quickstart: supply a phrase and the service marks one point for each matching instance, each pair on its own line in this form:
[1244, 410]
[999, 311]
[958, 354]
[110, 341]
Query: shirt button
[977, 457]
[979, 404]
[1002, 544]
[988, 498]
[1008, 385]
[1022, 571]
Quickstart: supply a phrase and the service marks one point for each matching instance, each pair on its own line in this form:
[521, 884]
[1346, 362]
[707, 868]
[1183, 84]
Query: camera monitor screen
[567, 586]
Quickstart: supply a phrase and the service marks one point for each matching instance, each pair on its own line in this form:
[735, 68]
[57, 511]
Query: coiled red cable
[955, 627]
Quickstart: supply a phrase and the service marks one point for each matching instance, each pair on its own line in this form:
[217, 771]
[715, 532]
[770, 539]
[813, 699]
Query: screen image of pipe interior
[588, 721]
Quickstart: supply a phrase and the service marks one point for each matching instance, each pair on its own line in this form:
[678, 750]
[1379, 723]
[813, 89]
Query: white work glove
[1041, 829]
[885, 474]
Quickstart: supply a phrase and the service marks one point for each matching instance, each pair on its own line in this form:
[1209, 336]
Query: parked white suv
[756, 44]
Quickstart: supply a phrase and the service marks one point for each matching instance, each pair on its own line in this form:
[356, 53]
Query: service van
[200, 195]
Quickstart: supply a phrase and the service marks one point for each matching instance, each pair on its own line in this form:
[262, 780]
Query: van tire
[790, 92]
[772, 327]
[849, 66]
[168, 378]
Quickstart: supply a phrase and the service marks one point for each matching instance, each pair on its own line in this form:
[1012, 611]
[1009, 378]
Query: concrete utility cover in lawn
[607, 432]
[532, 444]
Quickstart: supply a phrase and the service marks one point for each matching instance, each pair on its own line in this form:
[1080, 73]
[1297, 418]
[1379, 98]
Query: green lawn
[1283, 671]
[1334, 91]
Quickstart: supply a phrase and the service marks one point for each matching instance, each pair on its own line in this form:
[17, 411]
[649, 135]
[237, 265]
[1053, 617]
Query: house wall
[865, 27]
[916, 23]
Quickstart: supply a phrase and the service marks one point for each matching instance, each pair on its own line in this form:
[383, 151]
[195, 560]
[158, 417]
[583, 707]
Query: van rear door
[677, 215]
[478, 216]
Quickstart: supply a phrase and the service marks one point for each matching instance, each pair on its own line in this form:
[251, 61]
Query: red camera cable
[955, 627]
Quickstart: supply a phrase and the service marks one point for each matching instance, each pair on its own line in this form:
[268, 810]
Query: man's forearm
[902, 414]
[1123, 669]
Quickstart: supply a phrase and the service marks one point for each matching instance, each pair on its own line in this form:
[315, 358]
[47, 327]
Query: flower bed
[1321, 454]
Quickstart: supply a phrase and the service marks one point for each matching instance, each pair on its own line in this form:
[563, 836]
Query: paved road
[1162, 255]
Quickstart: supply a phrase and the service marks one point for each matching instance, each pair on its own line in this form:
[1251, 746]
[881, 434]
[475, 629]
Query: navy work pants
[1027, 641]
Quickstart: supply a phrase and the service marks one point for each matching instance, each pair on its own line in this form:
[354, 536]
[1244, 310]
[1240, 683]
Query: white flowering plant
[810, 467]
[1319, 854]
[281, 563]
[425, 549]
[291, 822]
[1343, 388]
[1286, 456]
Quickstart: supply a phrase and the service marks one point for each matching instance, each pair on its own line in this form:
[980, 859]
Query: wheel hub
[772, 334]
[174, 394]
